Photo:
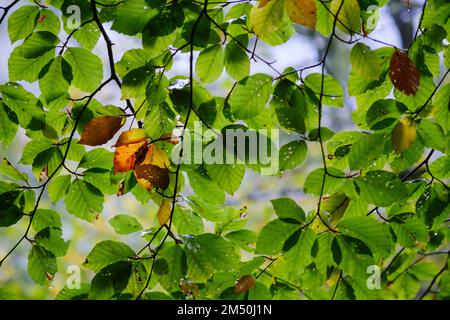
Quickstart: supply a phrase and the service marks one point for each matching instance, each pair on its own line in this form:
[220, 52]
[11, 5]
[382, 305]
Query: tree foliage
[380, 190]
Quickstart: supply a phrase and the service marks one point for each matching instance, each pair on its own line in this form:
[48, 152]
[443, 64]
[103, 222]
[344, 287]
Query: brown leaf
[100, 130]
[244, 284]
[125, 156]
[169, 138]
[164, 212]
[150, 176]
[303, 12]
[131, 136]
[404, 74]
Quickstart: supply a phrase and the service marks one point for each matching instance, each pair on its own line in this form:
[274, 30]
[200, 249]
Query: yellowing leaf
[303, 12]
[153, 170]
[349, 19]
[164, 212]
[100, 130]
[267, 17]
[244, 284]
[125, 156]
[131, 136]
[404, 135]
[404, 74]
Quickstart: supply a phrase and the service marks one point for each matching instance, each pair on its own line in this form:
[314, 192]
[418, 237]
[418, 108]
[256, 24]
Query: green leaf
[21, 22]
[8, 124]
[50, 238]
[187, 221]
[349, 19]
[381, 188]
[125, 224]
[209, 64]
[84, 200]
[227, 176]
[272, 237]
[333, 93]
[286, 208]
[97, 158]
[205, 187]
[107, 252]
[54, 81]
[250, 96]
[135, 83]
[365, 62]
[87, 68]
[243, 238]
[11, 208]
[366, 150]
[409, 232]
[37, 44]
[292, 155]
[74, 294]
[237, 63]
[48, 21]
[313, 183]
[8, 170]
[431, 135]
[131, 16]
[266, 19]
[433, 205]
[171, 267]
[110, 281]
[292, 264]
[28, 69]
[374, 234]
[208, 254]
[88, 35]
[41, 265]
[44, 218]
[58, 187]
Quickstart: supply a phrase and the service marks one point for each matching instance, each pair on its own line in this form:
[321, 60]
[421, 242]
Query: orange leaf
[303, 12]
[404, 74]
[126, 156]
[131, 136]
[164, 212]
[244, 284]
[100, 130]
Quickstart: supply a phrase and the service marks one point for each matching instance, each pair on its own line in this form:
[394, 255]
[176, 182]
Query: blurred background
[398, 22]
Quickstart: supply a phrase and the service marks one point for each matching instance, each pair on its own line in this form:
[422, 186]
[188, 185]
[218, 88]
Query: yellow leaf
[349, 17]
[100, 130]
[164, 212]
[404, 135]
[131, 136]
[303, 12]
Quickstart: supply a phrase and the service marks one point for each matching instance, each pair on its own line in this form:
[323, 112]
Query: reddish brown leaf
[125, 156]
[150, 176]
[100, 130]
[131, 136]
[404, 74]
[244, 284]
